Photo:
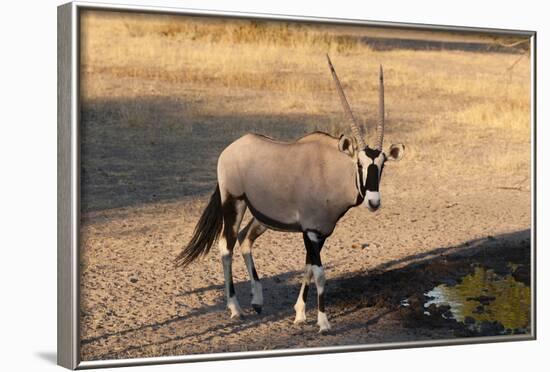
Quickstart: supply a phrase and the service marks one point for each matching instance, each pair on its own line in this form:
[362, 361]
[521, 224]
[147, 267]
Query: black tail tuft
[206, 232]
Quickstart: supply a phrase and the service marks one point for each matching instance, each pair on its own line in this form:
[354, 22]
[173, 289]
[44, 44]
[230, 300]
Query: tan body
[299, 186]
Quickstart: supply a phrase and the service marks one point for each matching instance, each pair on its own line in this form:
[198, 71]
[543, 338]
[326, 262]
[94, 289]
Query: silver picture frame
[68, 189]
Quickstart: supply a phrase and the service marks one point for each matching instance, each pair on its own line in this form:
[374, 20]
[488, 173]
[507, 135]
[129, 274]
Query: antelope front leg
[314, 243]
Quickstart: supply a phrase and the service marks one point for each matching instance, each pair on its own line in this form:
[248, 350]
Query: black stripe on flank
[270, 222]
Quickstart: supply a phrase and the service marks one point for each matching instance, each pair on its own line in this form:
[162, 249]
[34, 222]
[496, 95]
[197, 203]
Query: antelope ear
[396, 151]
[346, 145]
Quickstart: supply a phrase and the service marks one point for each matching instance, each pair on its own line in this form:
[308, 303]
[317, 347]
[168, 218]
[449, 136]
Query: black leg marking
[321, 301]
[313, 249]
[304, 294]
[254, 273]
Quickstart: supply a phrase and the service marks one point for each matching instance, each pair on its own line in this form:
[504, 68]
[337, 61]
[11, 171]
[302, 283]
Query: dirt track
[135, 303]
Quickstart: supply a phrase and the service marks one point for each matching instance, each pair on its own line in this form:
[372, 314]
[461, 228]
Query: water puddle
[485, 298]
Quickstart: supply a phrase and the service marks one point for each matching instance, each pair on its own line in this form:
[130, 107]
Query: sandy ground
[155, 119]
[135, 303]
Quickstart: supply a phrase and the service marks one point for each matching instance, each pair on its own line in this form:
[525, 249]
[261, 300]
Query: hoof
[257, 308]
[236, 316]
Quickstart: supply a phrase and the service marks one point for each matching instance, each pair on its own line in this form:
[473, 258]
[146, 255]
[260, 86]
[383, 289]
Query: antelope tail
[206, 232]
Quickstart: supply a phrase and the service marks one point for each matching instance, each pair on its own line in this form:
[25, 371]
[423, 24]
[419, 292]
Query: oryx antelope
[304, 186]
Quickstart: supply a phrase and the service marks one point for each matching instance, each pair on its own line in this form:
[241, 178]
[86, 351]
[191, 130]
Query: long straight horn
[380, 127]
[347, 109]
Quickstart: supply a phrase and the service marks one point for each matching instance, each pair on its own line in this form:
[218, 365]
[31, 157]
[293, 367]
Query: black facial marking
[372, 153]
[231, 289]
[372, 178]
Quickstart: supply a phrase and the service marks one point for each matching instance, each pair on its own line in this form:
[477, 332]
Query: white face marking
[379, 161]
[373, 197]
[365, 162]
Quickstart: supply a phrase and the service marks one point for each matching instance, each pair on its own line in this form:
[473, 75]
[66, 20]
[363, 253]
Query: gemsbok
[304, 186]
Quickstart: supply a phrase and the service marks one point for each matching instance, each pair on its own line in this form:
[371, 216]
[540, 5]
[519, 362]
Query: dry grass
[449, 107]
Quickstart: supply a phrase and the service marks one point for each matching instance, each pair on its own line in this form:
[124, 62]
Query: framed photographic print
[220, 183]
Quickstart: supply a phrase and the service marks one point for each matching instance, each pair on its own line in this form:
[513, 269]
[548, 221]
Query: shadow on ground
[379, 292]
[143, 150]
[384, 44]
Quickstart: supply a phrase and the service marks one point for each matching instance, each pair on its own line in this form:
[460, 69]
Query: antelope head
[370, 161]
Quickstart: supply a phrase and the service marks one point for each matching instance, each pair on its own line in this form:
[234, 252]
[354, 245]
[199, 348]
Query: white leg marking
[300, 309]
[322, 322]
[233, 306]
[257, 295]
[256, 286]
[319, 276]
[232, 302]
